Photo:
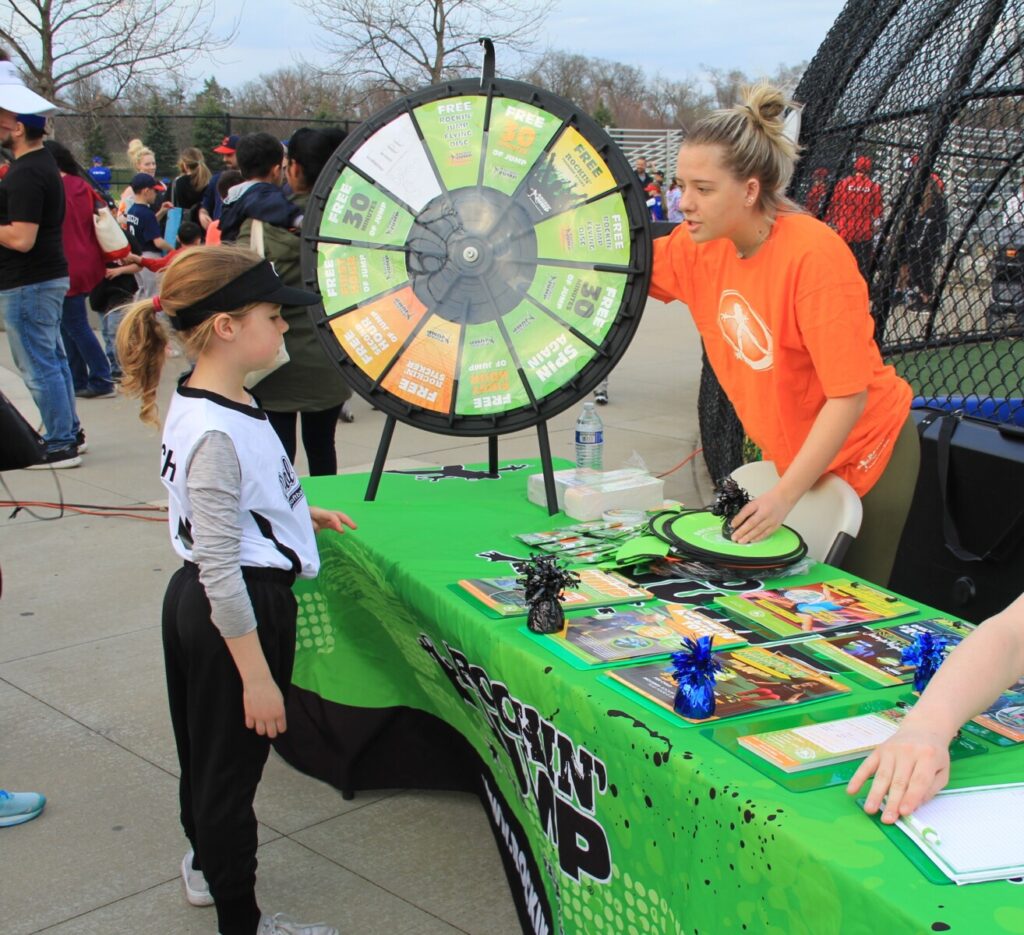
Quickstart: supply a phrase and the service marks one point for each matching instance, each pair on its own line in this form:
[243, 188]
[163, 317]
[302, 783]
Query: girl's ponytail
[141, 349]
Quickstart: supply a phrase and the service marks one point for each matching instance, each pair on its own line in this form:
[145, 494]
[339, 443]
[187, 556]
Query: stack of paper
[972, 835]
[798, 748]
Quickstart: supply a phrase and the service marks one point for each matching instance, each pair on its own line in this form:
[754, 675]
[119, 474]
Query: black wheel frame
[634, 292]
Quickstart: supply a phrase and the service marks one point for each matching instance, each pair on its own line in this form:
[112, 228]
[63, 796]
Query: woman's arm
[913, 764]
[829, 431]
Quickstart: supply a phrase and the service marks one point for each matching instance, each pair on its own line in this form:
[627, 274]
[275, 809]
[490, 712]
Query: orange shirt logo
[745, 331]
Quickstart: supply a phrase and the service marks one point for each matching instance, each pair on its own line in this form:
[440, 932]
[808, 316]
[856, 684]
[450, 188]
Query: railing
[658, 147]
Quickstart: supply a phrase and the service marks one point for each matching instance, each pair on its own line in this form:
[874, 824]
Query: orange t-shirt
[784, 331]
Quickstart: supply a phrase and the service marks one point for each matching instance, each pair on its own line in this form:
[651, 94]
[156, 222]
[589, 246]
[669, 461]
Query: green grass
[993, 368]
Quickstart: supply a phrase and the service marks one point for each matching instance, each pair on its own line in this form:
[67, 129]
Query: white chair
[828, 516]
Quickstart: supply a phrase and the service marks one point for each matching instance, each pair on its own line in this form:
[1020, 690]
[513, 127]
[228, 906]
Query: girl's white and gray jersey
[273, 513]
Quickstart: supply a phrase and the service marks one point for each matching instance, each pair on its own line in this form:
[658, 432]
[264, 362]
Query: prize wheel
[483, 253]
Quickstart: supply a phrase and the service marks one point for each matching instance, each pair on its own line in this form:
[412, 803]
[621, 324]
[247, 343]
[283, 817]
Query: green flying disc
[699, 533]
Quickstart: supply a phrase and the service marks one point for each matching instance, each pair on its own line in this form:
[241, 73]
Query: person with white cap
[33, 271]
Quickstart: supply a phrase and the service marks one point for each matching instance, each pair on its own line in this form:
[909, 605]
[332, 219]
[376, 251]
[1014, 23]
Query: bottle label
[590, 438]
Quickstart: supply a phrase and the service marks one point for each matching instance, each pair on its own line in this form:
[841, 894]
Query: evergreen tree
[603, 115]
[160, 138]
[96, 144]
[211, 123]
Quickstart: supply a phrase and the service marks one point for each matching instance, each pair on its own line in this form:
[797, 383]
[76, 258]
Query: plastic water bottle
[589, 439]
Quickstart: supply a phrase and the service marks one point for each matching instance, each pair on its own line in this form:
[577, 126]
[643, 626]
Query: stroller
[1007, 308]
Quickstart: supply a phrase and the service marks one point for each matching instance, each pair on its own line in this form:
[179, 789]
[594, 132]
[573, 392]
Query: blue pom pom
[694, 668]
[926, 654]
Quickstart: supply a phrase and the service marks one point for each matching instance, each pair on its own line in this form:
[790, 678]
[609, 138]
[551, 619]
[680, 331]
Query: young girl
[240, 521]
[783, 313]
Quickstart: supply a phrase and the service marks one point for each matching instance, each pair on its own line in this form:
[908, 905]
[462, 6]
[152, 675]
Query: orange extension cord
[85, 509]
[683, 463]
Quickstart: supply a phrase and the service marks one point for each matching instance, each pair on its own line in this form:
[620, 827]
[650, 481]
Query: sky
[670, 37]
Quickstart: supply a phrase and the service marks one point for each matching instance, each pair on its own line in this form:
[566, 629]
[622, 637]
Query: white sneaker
[197, 890]
[281, 924]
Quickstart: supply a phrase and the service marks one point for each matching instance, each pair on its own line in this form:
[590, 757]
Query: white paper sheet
[978, 830]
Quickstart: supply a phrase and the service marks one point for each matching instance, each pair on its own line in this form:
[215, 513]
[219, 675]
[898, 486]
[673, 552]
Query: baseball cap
[143, 180]
[228, 145]
[862, 164]
[17, 98]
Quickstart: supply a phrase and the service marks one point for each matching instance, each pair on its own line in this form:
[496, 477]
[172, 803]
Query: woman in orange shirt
[784, 315]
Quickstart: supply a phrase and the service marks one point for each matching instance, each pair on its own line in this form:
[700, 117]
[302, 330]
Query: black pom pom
[730, 498]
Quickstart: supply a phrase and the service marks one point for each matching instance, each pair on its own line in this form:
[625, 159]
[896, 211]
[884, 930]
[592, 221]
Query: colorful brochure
[753, 679]
[597, 529]
[874, 653]
[824, 744]
[1005, 715]
[812, 608]
[505, 596]
[635, 634]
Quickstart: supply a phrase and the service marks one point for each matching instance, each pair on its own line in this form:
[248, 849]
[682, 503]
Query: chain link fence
[913, 136]
[926, 97]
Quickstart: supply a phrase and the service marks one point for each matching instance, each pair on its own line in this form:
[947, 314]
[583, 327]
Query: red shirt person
[855, 209]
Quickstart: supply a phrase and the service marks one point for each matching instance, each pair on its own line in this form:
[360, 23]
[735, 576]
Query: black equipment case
[962, 550]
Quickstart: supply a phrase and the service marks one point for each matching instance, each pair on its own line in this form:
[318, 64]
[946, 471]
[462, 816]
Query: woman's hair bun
[766, 104]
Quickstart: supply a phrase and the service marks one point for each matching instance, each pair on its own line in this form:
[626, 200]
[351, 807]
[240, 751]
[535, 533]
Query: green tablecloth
[612, 818]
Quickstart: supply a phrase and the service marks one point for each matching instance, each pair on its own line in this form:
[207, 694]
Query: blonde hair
[139, 153]
[752, 138]
[142, 338]
[133, 147]
[192, 164]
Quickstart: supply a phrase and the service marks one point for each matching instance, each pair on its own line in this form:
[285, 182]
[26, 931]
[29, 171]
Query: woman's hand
[329, 519]
[264, 707]
[762, 516]
[909, 768]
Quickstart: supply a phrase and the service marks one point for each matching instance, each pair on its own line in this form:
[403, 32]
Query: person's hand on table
[329, 519]
[761, 517]
[909, 769]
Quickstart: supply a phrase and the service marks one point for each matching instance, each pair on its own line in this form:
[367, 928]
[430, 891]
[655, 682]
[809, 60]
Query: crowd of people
[777, 296]
[270, 191]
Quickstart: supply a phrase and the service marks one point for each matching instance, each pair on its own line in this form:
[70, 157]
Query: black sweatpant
[221, 759]
[318, 430]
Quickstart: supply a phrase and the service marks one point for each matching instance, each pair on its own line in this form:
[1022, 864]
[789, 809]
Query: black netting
[913, 151]
[720, 430]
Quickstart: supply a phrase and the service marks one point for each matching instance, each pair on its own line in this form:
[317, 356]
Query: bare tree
[678, 104]
[728, 84]
[105, 45]
[623, 94]
[295, 91]
[400, 45]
